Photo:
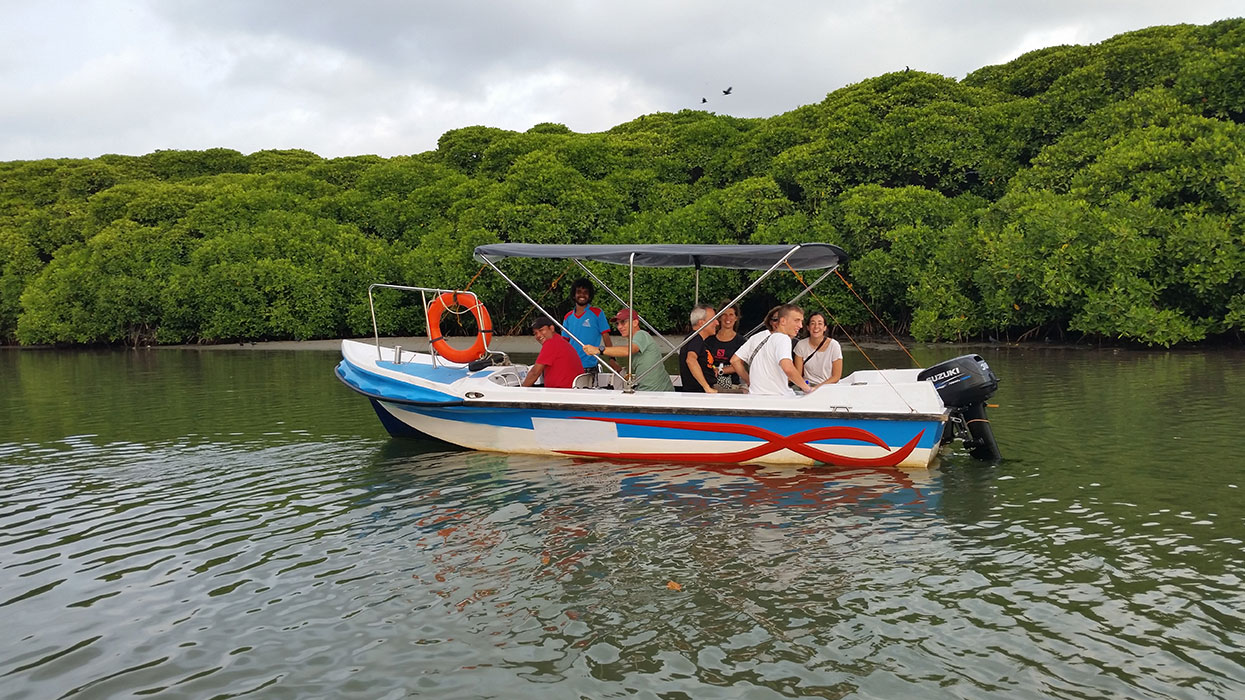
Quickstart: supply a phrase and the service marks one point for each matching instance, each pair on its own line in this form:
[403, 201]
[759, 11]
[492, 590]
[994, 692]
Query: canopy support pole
[630, 303]
[696, 293]
[628, 386]
[794, 299]
[742, 294]
[551, 317]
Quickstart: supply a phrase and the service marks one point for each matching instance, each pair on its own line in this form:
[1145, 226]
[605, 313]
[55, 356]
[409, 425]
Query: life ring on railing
[442, 304]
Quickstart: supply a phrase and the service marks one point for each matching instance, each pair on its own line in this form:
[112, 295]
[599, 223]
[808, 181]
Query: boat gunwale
[409, 402]
[703, 411]
[527, 403]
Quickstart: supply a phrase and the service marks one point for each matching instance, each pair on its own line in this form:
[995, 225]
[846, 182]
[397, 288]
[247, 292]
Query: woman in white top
[819, 357]
[768, 354]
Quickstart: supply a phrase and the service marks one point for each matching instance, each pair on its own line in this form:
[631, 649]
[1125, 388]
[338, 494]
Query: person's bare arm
[788, 368]
[612, 351]
[607, 342]
[738, 365]
[693, 366]
[533, 375]
[836, 372]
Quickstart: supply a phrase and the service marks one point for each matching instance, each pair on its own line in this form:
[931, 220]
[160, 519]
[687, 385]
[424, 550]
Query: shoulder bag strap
[817, 349]
[757, 349]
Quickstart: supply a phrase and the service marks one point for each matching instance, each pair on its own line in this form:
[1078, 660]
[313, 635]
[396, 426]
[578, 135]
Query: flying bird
[704, 100]
[727, 91]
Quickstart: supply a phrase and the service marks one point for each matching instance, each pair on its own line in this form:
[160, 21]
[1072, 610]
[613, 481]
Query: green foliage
[82, 181]
[898, 130]
[1077, 190]
[398, 177]
[49, 228]
[19, 261]
[288, 276]
[463, 149]
[185, 165]
[31, 184]
[145, 203]
[897, 231]
[107, 290]
[595, 156]
[289, 160]
[1210, 82]
[754, 154]
[343, 172]
[1033, 73]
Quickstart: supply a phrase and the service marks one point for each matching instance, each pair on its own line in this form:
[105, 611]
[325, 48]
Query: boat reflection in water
[555, 516]
[603, 486]
[858, 488]
[507, 554]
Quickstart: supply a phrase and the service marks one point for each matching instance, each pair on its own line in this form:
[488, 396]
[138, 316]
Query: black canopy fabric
[807, 256]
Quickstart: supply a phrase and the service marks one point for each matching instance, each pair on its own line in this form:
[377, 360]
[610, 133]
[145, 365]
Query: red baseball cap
[625, 315]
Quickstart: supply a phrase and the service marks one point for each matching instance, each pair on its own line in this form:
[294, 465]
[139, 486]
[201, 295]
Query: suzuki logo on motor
[944, 375]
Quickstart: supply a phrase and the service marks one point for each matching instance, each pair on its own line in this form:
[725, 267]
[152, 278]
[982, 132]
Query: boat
[474, 399]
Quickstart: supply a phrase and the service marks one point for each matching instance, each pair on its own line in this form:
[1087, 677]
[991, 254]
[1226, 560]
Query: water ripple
[213, 562]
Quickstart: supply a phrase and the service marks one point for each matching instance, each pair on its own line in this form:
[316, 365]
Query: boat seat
[506, 377]
[596, 380]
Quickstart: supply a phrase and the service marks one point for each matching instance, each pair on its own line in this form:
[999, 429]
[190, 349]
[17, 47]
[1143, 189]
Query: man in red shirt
[557, 362]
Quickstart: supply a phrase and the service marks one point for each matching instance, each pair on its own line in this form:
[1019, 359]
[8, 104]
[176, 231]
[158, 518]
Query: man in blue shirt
[587, 324]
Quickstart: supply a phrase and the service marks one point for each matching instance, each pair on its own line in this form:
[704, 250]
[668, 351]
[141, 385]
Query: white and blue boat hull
[879, 419]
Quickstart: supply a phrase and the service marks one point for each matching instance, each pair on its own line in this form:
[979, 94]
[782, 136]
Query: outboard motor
[964, 383]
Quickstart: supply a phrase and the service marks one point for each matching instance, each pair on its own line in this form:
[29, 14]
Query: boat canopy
[803, 256]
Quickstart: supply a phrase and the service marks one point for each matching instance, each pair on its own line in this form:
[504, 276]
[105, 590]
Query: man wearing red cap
[645, 355]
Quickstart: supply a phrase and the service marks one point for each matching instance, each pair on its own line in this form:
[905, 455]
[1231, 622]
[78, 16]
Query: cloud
[390, 76]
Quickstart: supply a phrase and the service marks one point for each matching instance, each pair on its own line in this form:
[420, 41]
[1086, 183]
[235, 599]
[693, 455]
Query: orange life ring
[438, 307]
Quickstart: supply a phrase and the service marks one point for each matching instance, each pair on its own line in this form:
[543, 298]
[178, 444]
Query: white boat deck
[871, 392]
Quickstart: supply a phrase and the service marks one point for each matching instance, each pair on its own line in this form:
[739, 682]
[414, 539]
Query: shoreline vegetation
[1077, 195]
[525, 345]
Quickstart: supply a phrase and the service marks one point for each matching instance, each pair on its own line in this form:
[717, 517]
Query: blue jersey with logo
[587, 329]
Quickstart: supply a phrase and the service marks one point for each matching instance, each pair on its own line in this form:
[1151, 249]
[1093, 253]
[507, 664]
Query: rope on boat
[825, 307]
[841, 327]
[880, 321]
[476, 277]
[539, 301]
[457, 315]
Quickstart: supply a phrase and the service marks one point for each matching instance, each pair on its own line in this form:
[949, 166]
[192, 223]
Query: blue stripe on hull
[374, 385]
[397, 428]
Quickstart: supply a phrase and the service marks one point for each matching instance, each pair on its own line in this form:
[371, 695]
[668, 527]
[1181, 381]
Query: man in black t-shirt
[695, 361]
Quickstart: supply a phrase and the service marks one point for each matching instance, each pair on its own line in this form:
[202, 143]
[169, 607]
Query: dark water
[185, 524]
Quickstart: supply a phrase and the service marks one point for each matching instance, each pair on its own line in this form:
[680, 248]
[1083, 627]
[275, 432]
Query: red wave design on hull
[773, 442]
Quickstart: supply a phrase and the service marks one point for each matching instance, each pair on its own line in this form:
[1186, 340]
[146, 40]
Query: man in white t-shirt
[768, 354]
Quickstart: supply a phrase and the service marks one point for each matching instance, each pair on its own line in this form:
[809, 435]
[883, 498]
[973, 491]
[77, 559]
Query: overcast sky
[82, 78]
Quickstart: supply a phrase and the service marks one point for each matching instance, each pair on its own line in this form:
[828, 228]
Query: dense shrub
[1076, 190]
